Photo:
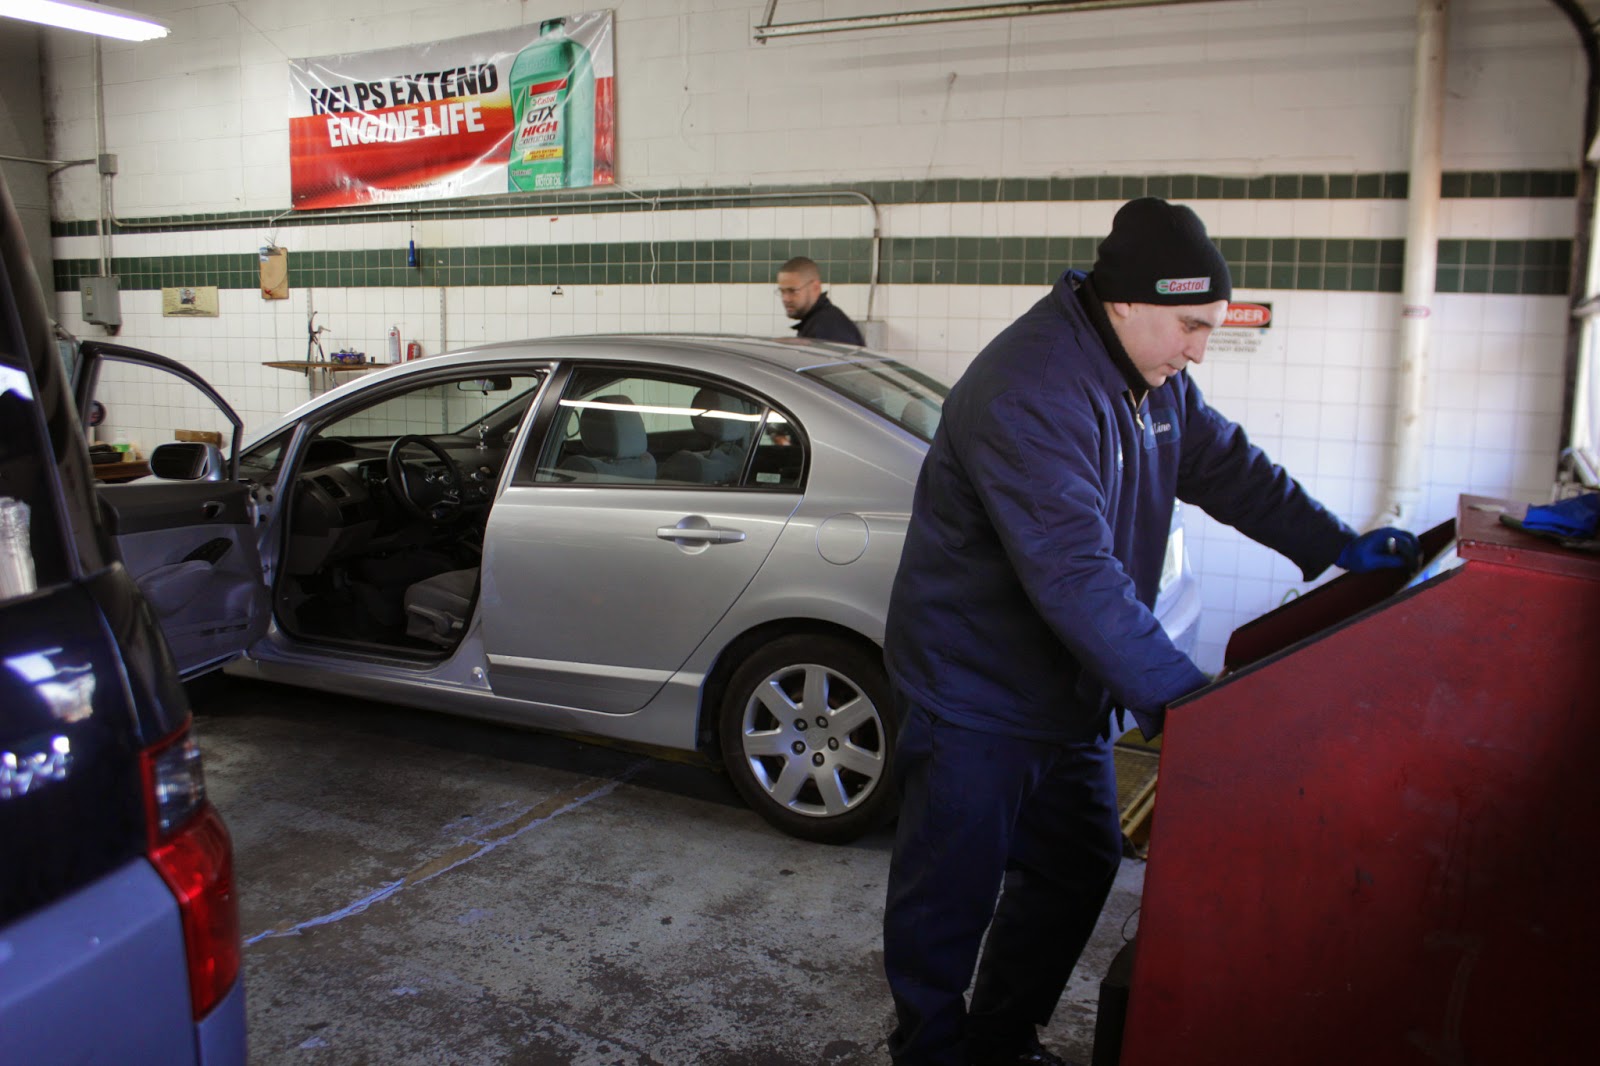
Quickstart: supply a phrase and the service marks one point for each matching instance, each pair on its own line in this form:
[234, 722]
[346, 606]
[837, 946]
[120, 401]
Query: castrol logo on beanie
[1174, 286]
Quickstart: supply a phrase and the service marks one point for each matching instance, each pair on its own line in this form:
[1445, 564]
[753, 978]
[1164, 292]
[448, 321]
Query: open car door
[187, 534]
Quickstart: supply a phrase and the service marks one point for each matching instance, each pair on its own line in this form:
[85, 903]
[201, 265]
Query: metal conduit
[769, 29]
[46, 162]
[1578, 412]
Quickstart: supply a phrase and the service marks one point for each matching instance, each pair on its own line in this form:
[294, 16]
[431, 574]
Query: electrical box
[875, 332]
[101, 303]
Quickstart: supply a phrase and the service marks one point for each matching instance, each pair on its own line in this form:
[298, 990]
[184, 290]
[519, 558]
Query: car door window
[629, 426]
[263, 461]
[145, 406]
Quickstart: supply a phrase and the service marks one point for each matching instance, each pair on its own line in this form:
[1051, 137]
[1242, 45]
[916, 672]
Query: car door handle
[211, 509]
[708, 535]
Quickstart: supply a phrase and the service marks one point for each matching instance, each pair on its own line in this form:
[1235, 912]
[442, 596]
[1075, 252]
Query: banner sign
[508, 111]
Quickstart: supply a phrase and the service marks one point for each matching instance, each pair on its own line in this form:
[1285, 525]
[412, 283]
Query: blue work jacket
[1023, 600]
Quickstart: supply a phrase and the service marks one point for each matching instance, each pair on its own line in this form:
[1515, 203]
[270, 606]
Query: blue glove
[1575, 519]
[1380, 549]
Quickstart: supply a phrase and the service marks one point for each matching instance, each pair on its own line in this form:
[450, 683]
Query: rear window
[30, 539]
[904, 395]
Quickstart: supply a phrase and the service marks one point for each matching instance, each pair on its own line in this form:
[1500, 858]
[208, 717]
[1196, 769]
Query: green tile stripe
[622, 263]
[1519, 267]
[1477, 184]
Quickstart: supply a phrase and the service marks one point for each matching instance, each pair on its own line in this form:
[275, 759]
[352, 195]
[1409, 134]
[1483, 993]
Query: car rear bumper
[104, 967]
[221, 1034]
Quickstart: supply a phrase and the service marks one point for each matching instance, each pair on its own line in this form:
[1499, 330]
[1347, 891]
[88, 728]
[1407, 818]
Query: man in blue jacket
[1020, 625]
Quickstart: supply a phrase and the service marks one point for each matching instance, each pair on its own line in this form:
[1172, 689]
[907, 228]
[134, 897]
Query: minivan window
[31, 554]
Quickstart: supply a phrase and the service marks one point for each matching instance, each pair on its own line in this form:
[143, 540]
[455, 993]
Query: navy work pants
[984, 816]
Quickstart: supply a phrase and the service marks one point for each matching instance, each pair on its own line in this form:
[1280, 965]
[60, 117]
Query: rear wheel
[807, 734]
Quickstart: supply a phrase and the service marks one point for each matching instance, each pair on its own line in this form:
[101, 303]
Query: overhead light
[90, 18]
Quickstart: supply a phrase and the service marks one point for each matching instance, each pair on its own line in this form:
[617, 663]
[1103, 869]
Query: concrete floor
[416, 888]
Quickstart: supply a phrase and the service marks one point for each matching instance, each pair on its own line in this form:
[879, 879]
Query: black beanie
[1158, 253]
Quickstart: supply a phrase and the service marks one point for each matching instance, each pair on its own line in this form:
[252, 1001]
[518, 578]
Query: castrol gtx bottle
[552, 106]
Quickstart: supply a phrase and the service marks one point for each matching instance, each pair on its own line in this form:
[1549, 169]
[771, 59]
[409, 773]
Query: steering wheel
[425, 494]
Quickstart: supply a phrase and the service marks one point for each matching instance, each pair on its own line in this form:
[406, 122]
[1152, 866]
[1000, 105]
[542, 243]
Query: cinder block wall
[998, 152]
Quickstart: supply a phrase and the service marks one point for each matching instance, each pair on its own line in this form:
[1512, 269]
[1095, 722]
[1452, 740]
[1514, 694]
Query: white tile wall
[199, 125]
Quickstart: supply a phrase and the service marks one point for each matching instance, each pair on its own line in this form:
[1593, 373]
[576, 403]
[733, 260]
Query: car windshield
[452, 407]
[902, 394]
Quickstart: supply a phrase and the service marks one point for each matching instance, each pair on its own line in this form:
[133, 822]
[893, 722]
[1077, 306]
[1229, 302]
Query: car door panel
[146, 506]
[590, 600]
[191, 549]
[190, 546]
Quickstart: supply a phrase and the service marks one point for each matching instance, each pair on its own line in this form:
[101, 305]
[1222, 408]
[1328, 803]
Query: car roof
[786, 355]
[789, 353]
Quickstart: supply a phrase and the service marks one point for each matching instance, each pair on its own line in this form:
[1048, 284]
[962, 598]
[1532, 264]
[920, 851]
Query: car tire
[819, 774]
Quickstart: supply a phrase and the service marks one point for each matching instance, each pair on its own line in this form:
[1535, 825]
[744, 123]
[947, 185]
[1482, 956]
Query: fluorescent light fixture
[90, 18]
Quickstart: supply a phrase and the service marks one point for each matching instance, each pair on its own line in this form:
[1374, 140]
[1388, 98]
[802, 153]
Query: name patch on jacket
[1161, 427]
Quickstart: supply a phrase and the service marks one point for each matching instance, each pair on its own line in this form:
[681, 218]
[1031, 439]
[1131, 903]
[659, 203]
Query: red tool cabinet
[1377, 839]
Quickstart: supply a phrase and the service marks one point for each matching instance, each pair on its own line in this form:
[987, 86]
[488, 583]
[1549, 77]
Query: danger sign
[1248, 316]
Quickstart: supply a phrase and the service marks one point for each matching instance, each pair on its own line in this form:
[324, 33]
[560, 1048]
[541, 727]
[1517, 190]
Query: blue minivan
[119, 924]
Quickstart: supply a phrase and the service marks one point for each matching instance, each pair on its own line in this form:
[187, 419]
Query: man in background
[800, 289]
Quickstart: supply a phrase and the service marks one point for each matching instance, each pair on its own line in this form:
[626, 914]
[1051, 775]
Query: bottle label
[540, 144]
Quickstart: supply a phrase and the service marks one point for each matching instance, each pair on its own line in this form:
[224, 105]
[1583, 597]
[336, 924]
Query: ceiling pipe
[769, 29]
[1421, 264]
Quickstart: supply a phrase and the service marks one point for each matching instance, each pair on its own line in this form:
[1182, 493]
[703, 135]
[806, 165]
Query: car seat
[615, 447]
[721, 463]
[437, 607]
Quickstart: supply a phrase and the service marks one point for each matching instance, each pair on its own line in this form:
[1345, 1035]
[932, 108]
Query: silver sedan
[681, 541]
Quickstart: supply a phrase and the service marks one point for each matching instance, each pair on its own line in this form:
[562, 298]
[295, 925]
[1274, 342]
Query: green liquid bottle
[552, 107]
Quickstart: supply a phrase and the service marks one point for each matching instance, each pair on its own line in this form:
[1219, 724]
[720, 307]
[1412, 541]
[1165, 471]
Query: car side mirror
[187, 461]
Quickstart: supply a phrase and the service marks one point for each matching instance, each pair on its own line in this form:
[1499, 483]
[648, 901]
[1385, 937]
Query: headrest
[920, 414]
[711, 408]
[611, 433]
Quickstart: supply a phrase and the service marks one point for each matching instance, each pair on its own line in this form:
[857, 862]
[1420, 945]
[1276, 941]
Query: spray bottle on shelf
[394, 344]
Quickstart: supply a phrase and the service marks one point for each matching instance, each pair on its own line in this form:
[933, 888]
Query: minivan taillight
[190, 848]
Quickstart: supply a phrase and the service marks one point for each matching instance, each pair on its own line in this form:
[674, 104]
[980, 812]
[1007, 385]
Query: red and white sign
[1248, 316]
[527, 109]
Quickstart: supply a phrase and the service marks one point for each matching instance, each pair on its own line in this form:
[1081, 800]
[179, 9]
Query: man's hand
[1380, 549]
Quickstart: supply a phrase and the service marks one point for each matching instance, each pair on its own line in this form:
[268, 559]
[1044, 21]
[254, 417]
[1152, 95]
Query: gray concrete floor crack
[473, 847]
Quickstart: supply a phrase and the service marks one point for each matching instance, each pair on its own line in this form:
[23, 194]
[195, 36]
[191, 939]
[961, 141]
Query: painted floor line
[473, 847]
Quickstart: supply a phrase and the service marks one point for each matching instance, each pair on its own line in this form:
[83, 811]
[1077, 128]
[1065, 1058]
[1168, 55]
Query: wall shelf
[327, 368]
